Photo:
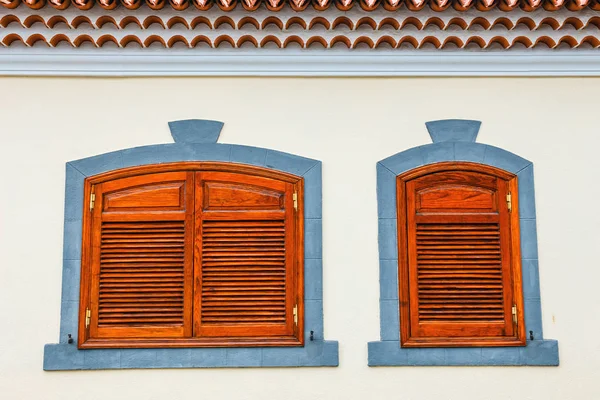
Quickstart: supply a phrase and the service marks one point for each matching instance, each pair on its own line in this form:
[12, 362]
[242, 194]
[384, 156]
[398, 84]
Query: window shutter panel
[141, 257]
[459, 259]
[247, 263]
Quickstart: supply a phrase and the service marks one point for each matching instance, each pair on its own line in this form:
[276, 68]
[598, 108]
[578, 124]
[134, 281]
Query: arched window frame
[195, 140]
[191, 183]
[454, 140]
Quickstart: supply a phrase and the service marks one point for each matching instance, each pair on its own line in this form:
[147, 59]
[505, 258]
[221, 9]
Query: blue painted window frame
[195, 140]
[454, 140]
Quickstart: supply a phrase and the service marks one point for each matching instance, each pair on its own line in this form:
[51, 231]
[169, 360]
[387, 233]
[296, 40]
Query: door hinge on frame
[509, 201]
[88, 317]
[514, 314]
[92, 199]
[295, 311]
[295, 198]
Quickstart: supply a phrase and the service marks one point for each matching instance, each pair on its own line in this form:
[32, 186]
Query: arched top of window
[205, 166]
[455, 166]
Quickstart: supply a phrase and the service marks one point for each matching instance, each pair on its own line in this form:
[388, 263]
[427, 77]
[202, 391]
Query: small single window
[459, 257]
[192, 255]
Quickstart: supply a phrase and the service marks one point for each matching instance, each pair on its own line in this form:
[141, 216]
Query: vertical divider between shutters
[197, 253]
[189, 253]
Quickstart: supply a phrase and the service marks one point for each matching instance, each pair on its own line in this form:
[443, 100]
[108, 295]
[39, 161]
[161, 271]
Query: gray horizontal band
[263, 62]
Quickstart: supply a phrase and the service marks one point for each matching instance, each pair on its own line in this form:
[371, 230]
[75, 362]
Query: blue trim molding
[319, 352]
[303, 62]
[454, 140]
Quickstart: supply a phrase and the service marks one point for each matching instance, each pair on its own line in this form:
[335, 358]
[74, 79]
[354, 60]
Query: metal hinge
[509, 201]
[295, 198]
[92, 199]
[514, 314]
[88, 317]
[296, 314]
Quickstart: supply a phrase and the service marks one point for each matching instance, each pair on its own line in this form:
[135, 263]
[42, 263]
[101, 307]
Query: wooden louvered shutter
[459, 257]
[141, 257]
[248, 274]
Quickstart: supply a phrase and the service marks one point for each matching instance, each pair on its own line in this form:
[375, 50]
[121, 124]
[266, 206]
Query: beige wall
[349, 124]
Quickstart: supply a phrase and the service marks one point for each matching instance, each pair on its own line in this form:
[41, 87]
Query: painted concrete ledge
[263, 62]
[61, 357]
[537, 352]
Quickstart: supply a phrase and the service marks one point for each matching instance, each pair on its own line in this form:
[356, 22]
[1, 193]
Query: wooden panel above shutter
[141, 257]
[247, 264]
[459, 257]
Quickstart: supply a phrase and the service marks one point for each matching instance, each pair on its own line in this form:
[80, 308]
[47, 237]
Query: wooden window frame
[297, 339]
[406, 337]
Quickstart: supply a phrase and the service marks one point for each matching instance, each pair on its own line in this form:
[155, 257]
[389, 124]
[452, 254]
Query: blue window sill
[61, 357]
[537, 352]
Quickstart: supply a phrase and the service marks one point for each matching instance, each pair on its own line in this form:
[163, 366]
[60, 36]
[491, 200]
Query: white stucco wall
[349, 124]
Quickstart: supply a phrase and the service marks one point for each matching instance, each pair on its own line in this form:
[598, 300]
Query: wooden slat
[459, 274]
[243, 272]
[141, 273]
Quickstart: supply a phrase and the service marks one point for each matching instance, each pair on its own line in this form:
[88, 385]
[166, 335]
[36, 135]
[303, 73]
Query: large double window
[192, 255]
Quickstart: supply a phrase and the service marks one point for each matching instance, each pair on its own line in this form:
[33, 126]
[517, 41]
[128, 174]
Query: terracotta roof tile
[321, 30]
[384, 41]
[329, 22]
[402, 29]
[300, 5]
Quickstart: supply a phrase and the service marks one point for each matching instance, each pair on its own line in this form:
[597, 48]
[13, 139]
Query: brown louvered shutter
[141, 257]
[248, 263]
[460, 274]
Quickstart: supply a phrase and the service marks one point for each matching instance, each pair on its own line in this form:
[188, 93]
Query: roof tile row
[465, 23]
[384, 41]
[300, 5]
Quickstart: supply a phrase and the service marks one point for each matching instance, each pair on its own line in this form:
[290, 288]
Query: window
[192, 255]
[196, 151]
[438, 204]
[459, 257]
